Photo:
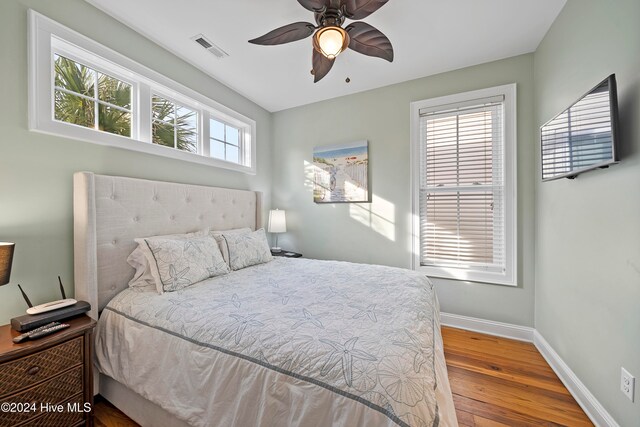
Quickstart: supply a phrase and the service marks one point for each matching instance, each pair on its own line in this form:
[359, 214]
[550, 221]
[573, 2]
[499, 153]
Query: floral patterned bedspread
[365, 332]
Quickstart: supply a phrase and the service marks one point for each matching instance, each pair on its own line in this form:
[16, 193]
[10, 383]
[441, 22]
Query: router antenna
[61, 288]
[26, 298]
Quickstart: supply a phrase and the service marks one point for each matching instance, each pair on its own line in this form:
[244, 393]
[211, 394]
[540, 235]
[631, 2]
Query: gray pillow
[183, 262]
[248, 249]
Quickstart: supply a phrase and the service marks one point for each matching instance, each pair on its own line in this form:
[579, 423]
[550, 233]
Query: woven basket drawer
[59, 419]
[55, 391]
[18, 374]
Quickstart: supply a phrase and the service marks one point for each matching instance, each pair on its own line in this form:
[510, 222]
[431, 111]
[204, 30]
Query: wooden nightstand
[284, 253]
[52, 376]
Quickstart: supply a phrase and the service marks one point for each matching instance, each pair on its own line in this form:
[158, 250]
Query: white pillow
[219, 236]
[248, 249]
[139, 259]
[183, 262]
[142, 277]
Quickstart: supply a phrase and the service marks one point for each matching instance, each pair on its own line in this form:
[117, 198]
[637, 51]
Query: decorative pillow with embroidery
[219, 236]
[141, 259]
[248, 249]
[184, 262]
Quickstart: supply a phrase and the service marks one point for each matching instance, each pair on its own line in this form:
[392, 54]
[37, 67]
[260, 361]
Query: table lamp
[277, 224]
[6, 259]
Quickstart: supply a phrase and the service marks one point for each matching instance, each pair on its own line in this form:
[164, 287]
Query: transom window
[464, 186]
[174, 125]
[225, 141]
[82, 90]
[86, 97]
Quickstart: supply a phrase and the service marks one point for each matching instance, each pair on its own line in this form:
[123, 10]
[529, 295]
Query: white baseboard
[587, 401]
[489, 327]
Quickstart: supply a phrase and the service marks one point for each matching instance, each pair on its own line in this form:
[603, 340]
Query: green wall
[578, 240]
[36, 170]
[588, 229]
[380, 232]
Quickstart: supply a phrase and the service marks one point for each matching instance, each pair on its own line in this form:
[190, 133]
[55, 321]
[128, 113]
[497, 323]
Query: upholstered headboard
[109, 212]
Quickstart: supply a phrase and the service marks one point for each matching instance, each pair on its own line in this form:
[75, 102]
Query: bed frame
[109, 212]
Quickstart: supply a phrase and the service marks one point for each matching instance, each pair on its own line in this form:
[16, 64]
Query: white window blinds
[462, 185]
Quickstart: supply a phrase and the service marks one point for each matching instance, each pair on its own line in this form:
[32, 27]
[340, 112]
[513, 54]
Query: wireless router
[48, 312]
[53, 305]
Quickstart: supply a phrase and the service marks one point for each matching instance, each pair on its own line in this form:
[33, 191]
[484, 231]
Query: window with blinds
[462, 188]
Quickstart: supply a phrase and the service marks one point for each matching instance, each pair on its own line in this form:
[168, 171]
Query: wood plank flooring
[496, 382]
[107, 415]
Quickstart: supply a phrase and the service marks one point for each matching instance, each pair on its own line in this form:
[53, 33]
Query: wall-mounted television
[584, 136]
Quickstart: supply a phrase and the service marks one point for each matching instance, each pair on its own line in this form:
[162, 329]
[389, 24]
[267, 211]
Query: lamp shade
[277, 221]
[6, 259]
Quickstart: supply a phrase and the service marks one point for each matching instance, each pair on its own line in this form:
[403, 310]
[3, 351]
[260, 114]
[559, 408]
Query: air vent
[207, 44]
[202, 42]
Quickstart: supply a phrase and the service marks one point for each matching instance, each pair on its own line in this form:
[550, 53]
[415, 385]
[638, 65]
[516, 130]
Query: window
[80, 89]
[225, 141]
[91, 99]
[464, 186]
[174, 125]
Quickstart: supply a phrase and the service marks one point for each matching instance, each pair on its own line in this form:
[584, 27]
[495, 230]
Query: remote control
[48, 331]
[40, 332]
[41, 328]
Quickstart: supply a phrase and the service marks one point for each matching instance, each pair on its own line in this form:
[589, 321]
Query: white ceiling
[428, 36]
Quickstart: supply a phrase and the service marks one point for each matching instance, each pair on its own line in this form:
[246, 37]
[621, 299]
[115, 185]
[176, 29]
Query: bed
[289, 342]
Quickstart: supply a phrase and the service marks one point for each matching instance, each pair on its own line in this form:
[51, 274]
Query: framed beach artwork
[341, 173]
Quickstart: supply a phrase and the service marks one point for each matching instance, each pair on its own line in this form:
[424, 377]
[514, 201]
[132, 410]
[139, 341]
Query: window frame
[69, 54]
[239, 146]
[47, 37]
[176, 104]
[510, 276]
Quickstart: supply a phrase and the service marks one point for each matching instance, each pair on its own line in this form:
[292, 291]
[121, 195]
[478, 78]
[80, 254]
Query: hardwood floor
[107, 415]
[496, 382]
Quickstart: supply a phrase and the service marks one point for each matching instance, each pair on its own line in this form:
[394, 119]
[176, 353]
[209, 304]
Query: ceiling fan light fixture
[329, 38]
[330, 41]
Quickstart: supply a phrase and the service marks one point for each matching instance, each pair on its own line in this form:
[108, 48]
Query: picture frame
[341, 173]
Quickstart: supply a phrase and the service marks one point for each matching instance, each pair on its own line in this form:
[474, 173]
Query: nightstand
[49, 381]
[286, 254]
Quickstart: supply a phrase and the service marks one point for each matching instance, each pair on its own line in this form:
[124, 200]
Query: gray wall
[380, 232]
[588, 229]
[36, 170]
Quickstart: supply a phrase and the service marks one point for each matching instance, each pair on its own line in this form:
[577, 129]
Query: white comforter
[291, 342]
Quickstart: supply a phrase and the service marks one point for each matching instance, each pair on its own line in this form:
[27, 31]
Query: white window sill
[92, 136]
[467, 275]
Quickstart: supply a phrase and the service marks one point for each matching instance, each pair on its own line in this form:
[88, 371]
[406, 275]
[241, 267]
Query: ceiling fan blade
[288, 33]
[365, 39]
[314, 5]
[321, 65]
[358, 9]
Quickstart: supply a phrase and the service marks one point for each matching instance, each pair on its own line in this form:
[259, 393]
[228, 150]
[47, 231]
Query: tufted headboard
[110, 211]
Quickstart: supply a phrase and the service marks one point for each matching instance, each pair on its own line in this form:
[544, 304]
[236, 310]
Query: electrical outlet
[627, 384]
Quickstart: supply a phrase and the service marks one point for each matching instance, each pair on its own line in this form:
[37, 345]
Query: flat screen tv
[584, 136]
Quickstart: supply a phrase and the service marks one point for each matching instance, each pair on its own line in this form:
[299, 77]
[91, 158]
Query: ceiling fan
[330, 38]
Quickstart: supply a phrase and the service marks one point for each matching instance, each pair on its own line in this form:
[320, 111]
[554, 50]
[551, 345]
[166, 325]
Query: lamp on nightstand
[277, 224]
[6, 259]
